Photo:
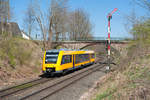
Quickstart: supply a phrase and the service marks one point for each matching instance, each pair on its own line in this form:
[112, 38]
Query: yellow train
[59, 61]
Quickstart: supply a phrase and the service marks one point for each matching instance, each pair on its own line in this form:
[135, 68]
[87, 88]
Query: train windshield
[51, 57]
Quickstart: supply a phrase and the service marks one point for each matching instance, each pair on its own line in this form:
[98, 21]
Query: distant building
[10, 27]
[24, 35]
[14, 30]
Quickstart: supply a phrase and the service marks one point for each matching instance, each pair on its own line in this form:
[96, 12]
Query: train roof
[58, 50]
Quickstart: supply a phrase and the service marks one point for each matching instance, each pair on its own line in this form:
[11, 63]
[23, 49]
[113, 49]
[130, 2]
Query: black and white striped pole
[108, 41]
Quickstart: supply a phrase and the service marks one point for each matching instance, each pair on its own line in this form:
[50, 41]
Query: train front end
[50, 60]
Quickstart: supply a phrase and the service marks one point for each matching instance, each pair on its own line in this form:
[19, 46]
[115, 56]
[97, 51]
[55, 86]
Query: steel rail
[12, 90]
[88, 72]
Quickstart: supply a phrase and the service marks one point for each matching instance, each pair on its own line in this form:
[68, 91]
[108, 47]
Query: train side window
[77, 58]
[86, 57]
[66, 59]
[92, 55]
[81, 58]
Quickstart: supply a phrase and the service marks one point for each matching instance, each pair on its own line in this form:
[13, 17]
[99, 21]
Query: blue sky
[97, 9]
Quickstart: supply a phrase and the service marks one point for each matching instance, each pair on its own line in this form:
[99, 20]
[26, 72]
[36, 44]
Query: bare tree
[4, 10]
[4, 14]
[143, 3]
[57, 22]
[133, 22]
[51, 23]
[29, 19]
[41, 20]
[58, 17]
[80, 26]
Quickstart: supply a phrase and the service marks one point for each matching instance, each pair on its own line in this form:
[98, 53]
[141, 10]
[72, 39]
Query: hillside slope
[19, 59]
[130, 81]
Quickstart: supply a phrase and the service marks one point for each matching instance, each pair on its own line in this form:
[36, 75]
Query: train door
[66, 62]
[73, 61]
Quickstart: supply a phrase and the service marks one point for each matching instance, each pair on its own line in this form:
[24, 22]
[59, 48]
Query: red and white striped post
[109, 30]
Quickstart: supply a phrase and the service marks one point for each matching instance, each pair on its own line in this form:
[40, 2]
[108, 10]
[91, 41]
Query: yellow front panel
[50, 65]
[43, 65]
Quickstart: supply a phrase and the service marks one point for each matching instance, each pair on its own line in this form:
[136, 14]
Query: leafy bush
[141, 30]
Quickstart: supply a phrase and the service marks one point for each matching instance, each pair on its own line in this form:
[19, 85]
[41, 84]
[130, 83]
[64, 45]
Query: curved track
[60, 84]
[12, 90]
[56, 85]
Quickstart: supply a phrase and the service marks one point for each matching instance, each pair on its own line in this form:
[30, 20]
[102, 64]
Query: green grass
[0, 63]
[14, 51]
[19, 58]
[101, 53]
[136, 74]
[24, 86]
[107, 94]
[12, 60]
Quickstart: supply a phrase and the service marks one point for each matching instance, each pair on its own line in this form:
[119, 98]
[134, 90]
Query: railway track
[12, 90]
[6, 94]
[60, 84]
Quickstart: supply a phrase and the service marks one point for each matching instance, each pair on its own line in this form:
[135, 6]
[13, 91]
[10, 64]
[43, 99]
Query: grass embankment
[19, 58]
[132, 79]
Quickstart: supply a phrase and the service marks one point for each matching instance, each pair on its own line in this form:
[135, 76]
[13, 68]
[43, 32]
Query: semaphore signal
[109, 16]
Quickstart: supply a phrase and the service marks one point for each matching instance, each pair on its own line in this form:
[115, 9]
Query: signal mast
[109, 16]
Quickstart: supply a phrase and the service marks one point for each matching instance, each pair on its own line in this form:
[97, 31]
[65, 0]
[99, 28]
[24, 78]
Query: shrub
[14, 51]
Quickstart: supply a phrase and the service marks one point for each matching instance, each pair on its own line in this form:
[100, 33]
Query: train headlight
[49, 69]
[46, 61]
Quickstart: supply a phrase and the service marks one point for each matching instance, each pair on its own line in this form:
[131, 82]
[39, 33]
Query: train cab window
[66, 59]
[51, 57]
